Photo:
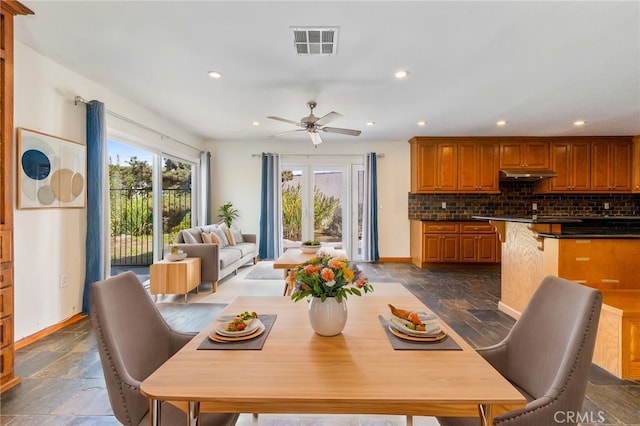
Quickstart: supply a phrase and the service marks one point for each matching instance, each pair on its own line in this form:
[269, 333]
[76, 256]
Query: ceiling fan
[314, 125]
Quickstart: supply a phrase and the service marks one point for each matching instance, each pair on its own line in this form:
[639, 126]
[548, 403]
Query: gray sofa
[217, 262]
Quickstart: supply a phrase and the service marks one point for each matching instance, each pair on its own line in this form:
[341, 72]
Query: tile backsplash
[517, 199]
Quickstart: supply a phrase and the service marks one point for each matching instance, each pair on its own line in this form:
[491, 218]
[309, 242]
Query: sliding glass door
[150, 202]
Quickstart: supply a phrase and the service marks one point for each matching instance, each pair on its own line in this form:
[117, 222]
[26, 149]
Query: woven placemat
[254, 344]
[446, 344]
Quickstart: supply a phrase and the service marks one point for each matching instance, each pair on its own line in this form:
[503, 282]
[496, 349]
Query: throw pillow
[220, 234]
[188, 238]
[214, 239]
[237, 235]
[227, 234]
[206, 238]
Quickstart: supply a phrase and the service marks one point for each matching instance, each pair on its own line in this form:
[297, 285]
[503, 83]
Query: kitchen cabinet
[434, 166]
[478, 243]
[611, 165]
[518, 154]
[572, 161]
[453, 242]
[8, 10]
[478, 166]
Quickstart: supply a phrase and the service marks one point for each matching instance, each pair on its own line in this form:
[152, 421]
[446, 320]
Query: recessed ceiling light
[256, 123]
[401, 74]
[215, 74]
[501, 123]
[579, 123]
[422, 123]
[370, 123]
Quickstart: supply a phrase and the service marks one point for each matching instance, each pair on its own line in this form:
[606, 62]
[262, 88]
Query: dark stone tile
[74, 365]
[29, 363]
[614, 399]
[488, 315]
[600, 376]
[44, 396]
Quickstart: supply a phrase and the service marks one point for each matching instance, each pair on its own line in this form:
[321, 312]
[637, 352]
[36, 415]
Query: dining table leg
[194, 413]
[156, 419]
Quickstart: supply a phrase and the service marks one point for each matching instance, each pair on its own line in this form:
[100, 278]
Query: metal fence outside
[131, 222]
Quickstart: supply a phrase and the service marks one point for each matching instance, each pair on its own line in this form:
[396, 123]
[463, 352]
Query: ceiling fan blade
[284, 120]
[315, 138]
[287, 132]
[343, 131]
[328, 118]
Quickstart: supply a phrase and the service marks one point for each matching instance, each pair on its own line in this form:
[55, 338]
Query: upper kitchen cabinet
[519, 154]
[478, 165]
[434, 166]
[571, 160]
[454, 164]
[611, 165]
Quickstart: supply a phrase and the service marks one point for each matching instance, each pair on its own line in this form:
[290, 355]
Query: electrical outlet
[606, 206]
[444, 204]
[64, 280]
[535, 206]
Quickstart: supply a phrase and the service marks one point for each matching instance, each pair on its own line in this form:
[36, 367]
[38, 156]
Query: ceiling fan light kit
[313, 125]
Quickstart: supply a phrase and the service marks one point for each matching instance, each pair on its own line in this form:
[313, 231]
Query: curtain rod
[80, 99]
[320, 155]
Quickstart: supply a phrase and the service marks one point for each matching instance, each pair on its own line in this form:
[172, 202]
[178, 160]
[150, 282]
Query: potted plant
[227, 213]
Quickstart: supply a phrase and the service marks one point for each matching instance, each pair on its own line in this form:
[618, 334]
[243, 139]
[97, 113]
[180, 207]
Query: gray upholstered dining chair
[547, 354]
[133, 341]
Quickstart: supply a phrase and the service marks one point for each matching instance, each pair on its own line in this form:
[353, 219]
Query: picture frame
[51, 171]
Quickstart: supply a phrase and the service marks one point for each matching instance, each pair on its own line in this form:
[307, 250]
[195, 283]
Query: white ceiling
[538, 65]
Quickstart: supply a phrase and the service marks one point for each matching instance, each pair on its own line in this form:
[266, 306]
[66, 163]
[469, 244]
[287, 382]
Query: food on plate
[414, 317]
[418, 321]
[241, 321]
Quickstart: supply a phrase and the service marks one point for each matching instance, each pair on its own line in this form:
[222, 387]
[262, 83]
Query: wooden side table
[178, 277]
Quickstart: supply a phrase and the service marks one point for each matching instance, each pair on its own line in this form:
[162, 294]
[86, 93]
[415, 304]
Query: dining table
[294, 370]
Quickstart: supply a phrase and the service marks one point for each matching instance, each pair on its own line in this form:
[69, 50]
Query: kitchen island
[601, 253]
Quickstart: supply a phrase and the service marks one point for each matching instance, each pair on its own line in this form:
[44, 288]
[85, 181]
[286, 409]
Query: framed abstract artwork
[52, 172]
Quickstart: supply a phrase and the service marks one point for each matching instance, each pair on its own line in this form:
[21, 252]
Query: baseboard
[19, 344]
[394, 260]
[509, 311]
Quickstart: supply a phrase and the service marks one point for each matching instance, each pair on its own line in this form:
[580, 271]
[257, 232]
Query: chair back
[132, 341]
[550, 348]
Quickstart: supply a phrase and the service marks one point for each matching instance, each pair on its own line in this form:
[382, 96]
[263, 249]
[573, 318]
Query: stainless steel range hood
[527, 174]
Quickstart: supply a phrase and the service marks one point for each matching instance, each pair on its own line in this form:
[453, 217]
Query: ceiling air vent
[315, 40]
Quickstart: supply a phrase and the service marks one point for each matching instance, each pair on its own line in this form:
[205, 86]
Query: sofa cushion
[237, 235]
[225, 229]
[206, 238]
[228, 256]
[190, 236]
[245, 248]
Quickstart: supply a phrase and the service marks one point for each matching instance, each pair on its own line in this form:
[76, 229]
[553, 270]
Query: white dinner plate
[221, 328]
[400, 325]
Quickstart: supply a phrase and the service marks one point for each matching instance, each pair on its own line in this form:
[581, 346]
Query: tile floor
[62, 381]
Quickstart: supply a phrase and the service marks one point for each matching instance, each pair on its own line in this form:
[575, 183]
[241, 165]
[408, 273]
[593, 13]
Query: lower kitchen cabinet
[453, 242]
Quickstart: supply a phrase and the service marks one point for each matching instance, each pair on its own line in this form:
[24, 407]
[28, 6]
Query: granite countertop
[562, 219]
[577, 227]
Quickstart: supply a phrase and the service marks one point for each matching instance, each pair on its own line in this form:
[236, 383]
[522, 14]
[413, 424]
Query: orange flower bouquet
[328, 276]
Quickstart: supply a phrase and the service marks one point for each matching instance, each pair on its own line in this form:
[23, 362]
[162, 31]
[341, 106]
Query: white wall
[236, 177]
[51, 242]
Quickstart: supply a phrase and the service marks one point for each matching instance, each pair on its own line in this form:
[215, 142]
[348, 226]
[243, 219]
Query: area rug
[264, 271]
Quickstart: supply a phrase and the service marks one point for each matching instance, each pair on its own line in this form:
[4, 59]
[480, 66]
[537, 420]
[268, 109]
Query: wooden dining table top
[356, 372]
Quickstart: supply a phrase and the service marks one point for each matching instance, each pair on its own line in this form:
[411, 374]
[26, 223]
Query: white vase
[327, 318]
